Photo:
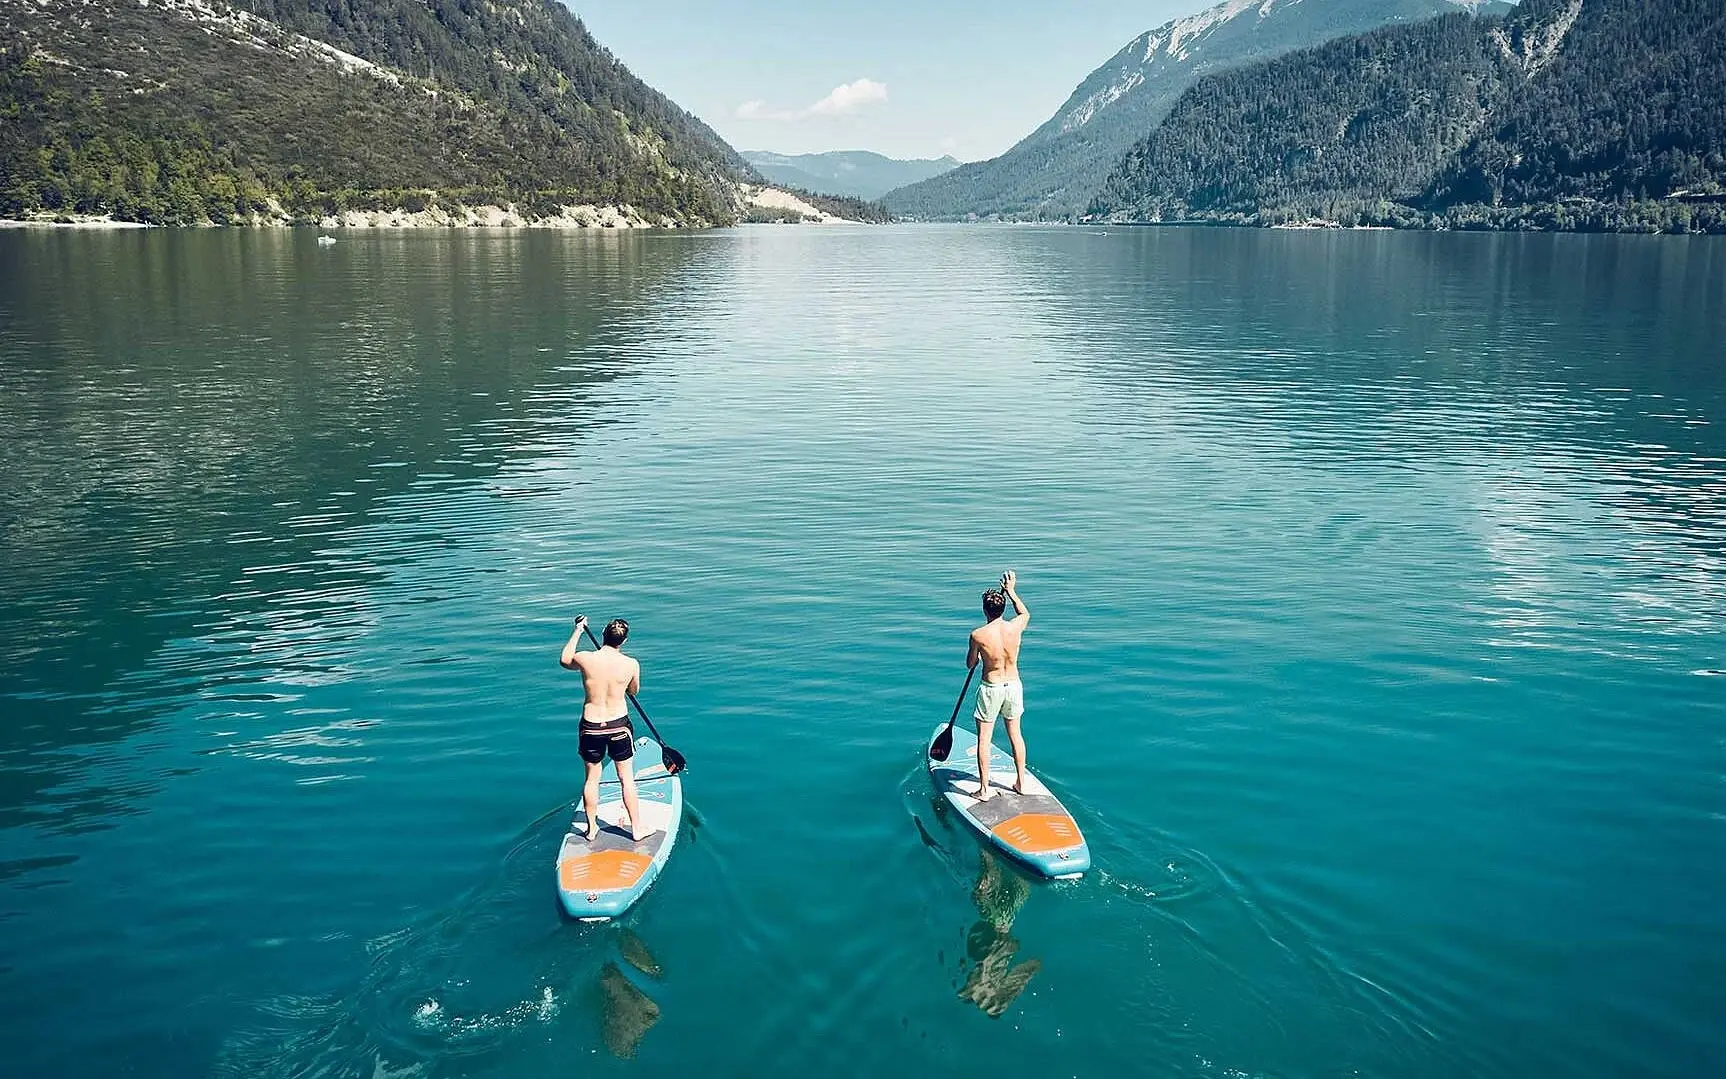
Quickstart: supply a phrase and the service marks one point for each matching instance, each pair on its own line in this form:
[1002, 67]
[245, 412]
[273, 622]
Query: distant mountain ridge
[1566, 114]
[185, 111]
[858, 173]
[1054, 171]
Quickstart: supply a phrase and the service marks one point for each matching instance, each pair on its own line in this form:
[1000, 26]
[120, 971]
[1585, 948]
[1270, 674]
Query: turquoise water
[1380, 593]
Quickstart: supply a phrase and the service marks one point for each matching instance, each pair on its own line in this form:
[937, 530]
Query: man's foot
[984, 792]
[1019, 787]
[592, 832]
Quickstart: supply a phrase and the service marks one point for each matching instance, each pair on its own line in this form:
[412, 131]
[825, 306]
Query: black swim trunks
[612, 736]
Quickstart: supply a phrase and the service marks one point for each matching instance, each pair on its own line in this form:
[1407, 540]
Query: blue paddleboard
[1034, 827]
[603, 878]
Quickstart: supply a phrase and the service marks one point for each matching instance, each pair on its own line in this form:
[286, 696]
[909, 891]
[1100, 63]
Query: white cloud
[844, 100]
[850, 97]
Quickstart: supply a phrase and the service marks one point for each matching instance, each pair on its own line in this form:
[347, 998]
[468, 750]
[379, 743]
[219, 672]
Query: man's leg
[985, 732]
[626, 777]
[1017, 737]
[590, 795]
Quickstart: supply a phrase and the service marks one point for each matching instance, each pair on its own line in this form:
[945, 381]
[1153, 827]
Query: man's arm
[972, 653]
[1008, 582]
[635, 680]
[573, 645]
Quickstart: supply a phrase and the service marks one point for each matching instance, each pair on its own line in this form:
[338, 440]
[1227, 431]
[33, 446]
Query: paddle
[943, 744]
[674, 761]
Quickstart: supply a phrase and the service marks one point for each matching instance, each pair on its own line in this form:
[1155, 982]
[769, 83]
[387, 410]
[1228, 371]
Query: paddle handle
[585, 628]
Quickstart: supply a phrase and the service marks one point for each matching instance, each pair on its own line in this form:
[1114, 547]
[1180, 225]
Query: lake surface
[1379, 647]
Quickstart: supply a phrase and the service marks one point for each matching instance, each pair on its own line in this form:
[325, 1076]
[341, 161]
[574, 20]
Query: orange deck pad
[602, 870]
[1035, 833]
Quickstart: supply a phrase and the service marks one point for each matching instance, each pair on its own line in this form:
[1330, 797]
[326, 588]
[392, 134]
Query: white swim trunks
[999, 699]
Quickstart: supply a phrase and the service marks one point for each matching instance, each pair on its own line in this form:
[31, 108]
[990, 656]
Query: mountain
[1566, 114]
[1054, 171]
[858, 173]
[180, 111]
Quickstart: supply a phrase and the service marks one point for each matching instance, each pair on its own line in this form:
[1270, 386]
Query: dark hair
[994, 603]
[616, 632]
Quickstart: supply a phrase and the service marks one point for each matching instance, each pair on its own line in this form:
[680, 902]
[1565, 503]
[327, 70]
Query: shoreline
[78, 223]
[508, 216]
[755, 199]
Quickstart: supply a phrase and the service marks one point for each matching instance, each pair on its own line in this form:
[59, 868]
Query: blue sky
[914, 78]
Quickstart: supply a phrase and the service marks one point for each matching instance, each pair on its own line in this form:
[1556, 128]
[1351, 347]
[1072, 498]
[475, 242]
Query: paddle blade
[943, 745]
[673, 760]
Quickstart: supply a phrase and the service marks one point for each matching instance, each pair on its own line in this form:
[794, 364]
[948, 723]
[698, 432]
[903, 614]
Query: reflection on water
[992, 979]
[990, 974]
[203, 431]
[628, 1013]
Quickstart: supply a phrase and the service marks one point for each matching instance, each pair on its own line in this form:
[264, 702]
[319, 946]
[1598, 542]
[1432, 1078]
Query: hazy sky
[907, 78]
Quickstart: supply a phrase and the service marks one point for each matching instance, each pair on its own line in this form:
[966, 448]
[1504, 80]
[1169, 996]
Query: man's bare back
[996, 645]
[607, 677]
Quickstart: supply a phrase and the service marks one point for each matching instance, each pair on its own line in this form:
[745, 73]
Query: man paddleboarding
[996, 645]
[608, 677]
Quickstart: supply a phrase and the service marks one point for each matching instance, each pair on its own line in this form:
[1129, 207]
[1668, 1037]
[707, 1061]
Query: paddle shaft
[960, 703]
[585, 628]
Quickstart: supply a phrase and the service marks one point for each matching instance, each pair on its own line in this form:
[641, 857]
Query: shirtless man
[608, 677]
[996, 644]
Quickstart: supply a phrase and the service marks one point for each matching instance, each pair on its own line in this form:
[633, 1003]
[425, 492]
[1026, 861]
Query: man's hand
[1022, 613]
[574, 643]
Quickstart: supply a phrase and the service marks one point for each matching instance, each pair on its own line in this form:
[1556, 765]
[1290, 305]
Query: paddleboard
[1034, 827]
[603, 878]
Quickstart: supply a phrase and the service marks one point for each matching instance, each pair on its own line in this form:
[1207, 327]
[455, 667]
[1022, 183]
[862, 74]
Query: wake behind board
[604, 878]
[1034, 827]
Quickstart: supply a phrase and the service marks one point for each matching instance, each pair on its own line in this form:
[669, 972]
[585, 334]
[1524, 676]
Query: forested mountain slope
[178, 111]
[1054, 171]
[1590, 114]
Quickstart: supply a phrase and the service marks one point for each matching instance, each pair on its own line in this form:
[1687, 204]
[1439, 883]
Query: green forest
[142, 114]
[1616, 125]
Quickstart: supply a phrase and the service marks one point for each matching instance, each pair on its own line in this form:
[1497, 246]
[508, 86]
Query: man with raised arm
[996, 644]
[608, 677]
